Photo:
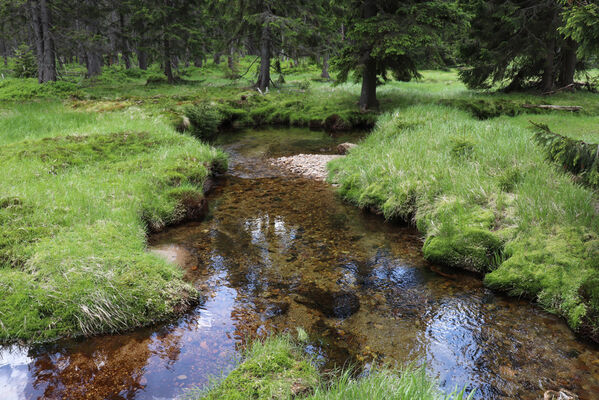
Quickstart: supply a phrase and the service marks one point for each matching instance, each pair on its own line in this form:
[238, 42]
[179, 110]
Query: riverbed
[278, 251]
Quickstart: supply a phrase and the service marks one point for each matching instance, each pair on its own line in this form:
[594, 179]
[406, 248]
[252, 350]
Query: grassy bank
[461, 164]
[303, 99]
[485, 198]
[78, 192]
[279, 369]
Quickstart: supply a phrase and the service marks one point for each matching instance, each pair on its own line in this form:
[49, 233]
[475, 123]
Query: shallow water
[279, 252]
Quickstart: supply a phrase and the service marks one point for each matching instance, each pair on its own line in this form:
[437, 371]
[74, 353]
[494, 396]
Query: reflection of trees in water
[104, 367]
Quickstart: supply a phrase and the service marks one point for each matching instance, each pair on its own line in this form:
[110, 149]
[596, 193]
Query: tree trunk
[5, 53]
[368, 100]
[168, 69]
[264, 76]
[142, 59]
[198, 62]
[217, 58]
[325, 67]
[49, 51]
[41, 23]
[126, 52]
[231, 62]
[548, 69]
[94, 63]
[568, 63]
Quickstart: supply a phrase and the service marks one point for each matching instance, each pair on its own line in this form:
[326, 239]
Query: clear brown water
[279, 252]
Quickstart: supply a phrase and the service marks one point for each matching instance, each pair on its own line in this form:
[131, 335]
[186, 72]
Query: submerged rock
[344, 148]
[275, 309]
[561, 394]
[339, 304]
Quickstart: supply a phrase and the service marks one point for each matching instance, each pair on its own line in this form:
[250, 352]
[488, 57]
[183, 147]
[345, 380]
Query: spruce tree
[518, 44]
[388, 36]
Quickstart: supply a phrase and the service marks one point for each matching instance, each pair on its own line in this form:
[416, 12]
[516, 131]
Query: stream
[277, 252]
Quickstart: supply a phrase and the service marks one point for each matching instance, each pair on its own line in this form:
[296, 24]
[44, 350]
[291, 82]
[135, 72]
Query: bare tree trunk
[325, 67]
[264, 76]
[36, 27]
[94, 63]
[4, 53]
[168, 68]
[142, 59]
[41, 23]
[198, 62]
[569, 63]
[368, 98]
[49, 51]
[93, 49]
[548, 68]
[124, 42]
[216, 58]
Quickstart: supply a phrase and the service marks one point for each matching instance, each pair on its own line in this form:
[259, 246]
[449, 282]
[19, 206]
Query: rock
[336, 123]
[276, 309]
[312, 166]
[561, 394]
[339, 304]
[184, 124]
[344, 148]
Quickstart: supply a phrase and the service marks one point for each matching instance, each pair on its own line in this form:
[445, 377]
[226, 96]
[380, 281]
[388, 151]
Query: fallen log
[553, 107]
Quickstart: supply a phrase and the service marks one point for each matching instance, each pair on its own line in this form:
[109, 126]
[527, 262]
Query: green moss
[460, 236]
[486, 201]
[557, 268]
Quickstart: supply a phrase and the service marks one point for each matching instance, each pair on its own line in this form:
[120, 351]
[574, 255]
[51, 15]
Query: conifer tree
[387, 36]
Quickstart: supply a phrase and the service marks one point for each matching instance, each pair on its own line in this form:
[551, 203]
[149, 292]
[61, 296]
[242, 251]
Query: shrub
[205, 121]
[156, 79]
[25, 66]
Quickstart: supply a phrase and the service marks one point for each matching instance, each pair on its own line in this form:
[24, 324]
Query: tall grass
[77, 194]
[485, 198]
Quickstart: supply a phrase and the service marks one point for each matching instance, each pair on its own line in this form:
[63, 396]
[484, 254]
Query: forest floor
[89, 166]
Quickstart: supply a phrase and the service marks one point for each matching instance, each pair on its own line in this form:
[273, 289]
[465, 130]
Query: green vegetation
[274, 369]
[468, 173]
[486, 200]
[78, 193]
[279, 368]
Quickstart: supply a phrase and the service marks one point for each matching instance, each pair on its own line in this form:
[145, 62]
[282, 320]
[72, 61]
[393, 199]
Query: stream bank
[276, 252]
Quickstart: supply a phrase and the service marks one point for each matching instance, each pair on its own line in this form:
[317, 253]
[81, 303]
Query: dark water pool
[279, 252]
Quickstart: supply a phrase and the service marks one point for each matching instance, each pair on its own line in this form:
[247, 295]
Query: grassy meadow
[90, 166]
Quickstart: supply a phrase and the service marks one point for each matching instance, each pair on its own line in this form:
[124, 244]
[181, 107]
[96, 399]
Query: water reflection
[277, 253]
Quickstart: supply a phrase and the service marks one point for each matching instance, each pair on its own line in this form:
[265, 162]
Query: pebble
[312, 166]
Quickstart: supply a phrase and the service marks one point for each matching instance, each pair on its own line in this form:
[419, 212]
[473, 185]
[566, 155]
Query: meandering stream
[277, 252]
